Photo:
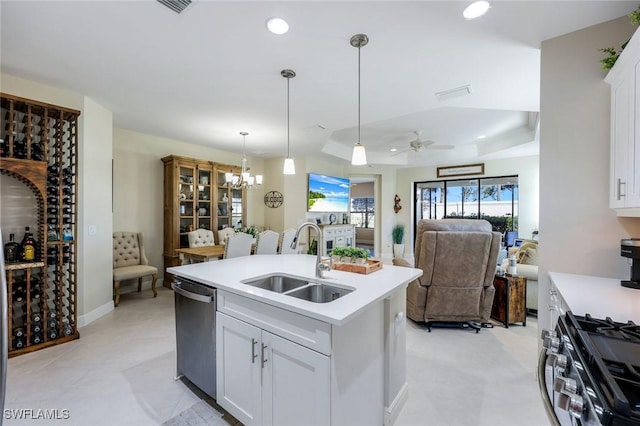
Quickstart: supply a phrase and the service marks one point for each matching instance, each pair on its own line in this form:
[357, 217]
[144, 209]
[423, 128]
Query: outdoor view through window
[494, 199]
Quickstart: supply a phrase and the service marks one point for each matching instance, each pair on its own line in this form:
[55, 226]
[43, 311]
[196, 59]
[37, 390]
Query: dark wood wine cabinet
[39, 148]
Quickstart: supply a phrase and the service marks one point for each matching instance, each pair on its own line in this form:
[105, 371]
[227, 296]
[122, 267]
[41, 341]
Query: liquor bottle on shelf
[28, 246]
[67, 234]
[52, 234]
[12, 250]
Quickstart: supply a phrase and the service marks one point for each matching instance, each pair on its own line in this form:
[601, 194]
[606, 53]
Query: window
[494, 199]
[362, 212]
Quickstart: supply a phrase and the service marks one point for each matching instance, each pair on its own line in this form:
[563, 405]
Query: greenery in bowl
[397, 233]
[352, 252]
[251, 230]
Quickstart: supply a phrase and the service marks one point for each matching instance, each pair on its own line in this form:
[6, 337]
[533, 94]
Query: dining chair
[267, 242]
[200, 238]
[238, 244]
[286, 238]
[224, 233]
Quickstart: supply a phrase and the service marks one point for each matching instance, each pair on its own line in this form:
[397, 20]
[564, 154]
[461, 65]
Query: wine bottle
[36, 327]
[52, 234]
[53, 169]
[12, 250]
[36, 317]
[18, 332]
[52, 334]
[36, 338]
[52, 199]
[67, 329]
[19, 342]
[28, 246]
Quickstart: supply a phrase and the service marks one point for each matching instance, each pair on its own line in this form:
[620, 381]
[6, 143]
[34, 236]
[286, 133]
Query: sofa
[526, 266]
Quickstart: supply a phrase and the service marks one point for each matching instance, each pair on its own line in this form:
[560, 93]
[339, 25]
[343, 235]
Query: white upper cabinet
[624, 182]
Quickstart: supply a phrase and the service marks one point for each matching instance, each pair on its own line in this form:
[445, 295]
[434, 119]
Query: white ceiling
[214, 70]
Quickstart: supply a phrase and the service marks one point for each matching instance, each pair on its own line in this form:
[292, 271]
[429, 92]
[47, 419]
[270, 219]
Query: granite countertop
[367, 289]
[599, 296]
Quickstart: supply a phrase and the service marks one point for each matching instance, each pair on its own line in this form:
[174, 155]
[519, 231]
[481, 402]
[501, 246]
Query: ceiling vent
[454, 93]
[176, 5]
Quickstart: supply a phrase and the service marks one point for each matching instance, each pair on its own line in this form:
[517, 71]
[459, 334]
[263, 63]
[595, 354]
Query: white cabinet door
[238, 365]
[621, 145]
[296, 384]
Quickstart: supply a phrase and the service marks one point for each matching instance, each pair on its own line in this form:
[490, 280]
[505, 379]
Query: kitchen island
[284, 360]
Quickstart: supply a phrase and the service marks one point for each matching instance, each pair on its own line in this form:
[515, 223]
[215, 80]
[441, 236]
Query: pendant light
[359, 156]
[289, 165]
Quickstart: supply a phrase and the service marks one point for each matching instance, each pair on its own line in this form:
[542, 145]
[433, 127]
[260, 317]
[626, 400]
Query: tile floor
[121, 372]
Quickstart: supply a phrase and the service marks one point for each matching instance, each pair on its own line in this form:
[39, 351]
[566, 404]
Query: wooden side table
[509, 302]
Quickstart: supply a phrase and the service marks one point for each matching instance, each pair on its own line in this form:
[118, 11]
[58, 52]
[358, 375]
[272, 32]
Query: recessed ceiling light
[476, 9]
[277, 25]
[393, 149]
[482, 137]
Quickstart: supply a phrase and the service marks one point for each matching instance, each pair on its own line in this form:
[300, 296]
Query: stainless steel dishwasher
[196, 333]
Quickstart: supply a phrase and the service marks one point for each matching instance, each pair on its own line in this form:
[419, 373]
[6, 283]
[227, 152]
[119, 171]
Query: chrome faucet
[320, 267]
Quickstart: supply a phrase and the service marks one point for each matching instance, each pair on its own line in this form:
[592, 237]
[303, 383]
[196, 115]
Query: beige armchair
[224, 233]
[130, 262]
[458, 258]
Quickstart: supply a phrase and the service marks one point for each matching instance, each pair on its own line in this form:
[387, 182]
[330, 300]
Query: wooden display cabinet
[39, 149]
[195, 196]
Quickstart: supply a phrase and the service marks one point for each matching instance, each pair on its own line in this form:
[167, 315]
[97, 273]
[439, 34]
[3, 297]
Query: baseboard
[90, 317]
[392, 412]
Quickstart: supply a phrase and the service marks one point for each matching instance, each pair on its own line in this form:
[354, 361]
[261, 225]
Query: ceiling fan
[418, 145]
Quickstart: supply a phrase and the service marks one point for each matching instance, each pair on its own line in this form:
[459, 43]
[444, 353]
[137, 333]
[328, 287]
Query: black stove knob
[565, 385]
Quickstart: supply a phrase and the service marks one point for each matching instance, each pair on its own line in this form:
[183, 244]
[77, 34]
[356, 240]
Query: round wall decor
[273, 199]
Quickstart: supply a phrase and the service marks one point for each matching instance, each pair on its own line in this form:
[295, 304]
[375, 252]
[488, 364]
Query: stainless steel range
[590, 372]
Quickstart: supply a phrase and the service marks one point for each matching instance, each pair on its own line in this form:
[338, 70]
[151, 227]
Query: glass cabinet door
[203, 212]
[236, 208]
[223, 202]
[187, 206]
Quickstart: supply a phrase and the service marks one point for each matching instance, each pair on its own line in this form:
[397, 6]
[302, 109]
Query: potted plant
[397, 235]
[337, 253]
[359, 255]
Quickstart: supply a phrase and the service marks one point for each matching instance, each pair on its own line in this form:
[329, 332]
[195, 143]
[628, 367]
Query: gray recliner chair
[458, 258]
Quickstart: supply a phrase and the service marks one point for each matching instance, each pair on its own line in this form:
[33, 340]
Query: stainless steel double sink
[302, 288]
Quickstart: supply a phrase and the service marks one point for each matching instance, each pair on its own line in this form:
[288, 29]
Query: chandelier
[244, 180]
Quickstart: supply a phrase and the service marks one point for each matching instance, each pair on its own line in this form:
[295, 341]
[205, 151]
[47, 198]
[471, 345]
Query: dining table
[201, 254]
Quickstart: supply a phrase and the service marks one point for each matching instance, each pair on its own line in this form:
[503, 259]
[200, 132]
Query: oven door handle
[548, 405]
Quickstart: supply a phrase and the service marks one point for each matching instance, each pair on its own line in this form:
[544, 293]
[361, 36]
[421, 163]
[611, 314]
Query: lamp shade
[359, 156]
[258, 179]
[289, 166]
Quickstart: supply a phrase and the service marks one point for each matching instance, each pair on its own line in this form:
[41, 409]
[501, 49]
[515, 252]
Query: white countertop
[601, 297]
[227, 274]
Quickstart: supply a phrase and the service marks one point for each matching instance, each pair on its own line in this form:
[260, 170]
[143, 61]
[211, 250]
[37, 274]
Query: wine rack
[38, 147]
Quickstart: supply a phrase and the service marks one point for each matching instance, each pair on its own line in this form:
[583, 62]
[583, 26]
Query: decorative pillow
[521, 254]
[531, 257]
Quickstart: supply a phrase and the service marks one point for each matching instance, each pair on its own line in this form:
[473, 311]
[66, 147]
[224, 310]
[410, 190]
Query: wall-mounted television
[328, 194]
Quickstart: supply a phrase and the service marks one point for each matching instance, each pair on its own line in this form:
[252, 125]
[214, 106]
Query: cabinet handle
[254, 355]
[264, 360]
[619, 189]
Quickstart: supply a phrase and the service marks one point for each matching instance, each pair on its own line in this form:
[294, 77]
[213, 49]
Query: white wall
[528, 181]
[578, 232]
[139, 180]
[95, 252]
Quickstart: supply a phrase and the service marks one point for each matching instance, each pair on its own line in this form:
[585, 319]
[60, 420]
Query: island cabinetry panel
[267, 380]
[624, 78]
[309, 371]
